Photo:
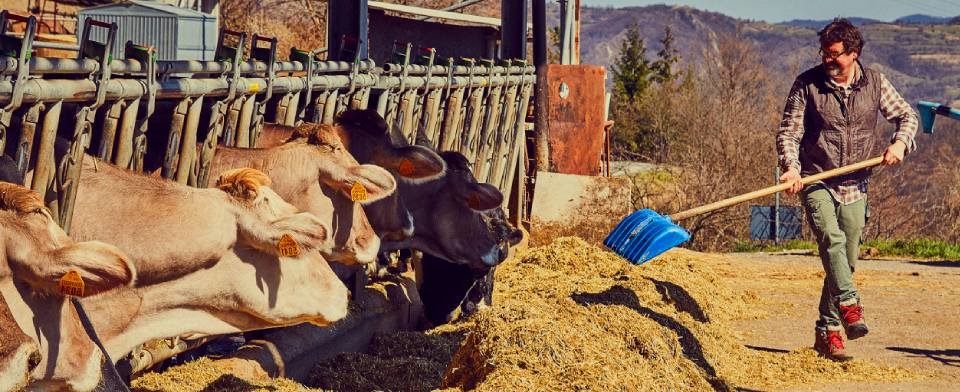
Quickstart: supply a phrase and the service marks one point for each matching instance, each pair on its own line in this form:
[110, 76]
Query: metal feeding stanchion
[68, 169]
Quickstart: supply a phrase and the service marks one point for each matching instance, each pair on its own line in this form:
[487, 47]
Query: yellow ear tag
[358, 192]
[71, 284]
[288, 247]
[254, 87]
[406, 168]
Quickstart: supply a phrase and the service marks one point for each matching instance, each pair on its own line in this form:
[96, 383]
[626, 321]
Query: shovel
[646, 234]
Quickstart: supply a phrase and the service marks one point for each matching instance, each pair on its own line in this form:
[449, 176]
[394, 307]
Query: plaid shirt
[892, 106]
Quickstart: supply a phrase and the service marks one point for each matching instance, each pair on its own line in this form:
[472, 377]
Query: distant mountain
[923, 19]
[818, 24]
[923, 60]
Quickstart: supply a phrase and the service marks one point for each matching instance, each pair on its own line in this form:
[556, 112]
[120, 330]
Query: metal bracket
[68, 173]
[308, 59]
[232, 55]
[21, 49]
[147, 56]
[269, 56]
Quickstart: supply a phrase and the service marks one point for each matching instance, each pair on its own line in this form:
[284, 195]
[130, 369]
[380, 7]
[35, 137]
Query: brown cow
[318, 175]
[165, 226]
[244, 288]
[389, 218]
[451, 212]
[35, 251]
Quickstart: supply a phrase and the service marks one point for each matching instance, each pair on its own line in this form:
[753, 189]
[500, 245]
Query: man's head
[840, 46]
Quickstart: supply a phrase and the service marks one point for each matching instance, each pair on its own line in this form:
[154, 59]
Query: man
[830, 120]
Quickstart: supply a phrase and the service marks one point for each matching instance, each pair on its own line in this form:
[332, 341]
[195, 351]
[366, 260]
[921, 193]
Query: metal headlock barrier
[118, 109]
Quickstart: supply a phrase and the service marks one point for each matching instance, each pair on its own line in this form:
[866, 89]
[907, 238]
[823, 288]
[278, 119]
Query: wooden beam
[434, 13]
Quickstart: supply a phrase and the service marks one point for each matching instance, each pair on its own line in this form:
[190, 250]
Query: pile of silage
[212, 376]
[402, 361]
[571, 316]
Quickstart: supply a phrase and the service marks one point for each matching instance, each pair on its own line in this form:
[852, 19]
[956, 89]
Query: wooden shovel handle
[774, 189]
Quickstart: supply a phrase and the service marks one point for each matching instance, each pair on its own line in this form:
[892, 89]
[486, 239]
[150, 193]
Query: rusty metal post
[44, 168]
[28, 131]
[290, 117]
[330, 107]
[491, 121]
[319, 105]
[452, 121]
[520, 132]
[539, 10]
[506, 136]
[125, 139]
[108, 136]
[431, 119]
[282, 105]
[171, 155]
[408, 107]
[246, 119]
[188, 142]
[233, 121]
[474, 114]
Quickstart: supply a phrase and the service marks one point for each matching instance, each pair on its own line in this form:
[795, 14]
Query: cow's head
[34, 255]
[345, 188]
[458, 219]
[364, 133]
[273, 217]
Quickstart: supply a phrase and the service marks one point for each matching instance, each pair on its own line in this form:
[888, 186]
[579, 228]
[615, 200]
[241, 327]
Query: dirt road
[912, 308]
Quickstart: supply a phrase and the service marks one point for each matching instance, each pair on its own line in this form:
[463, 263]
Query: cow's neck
[127, 317]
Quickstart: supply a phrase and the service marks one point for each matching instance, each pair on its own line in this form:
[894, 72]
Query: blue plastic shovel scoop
[646, 234]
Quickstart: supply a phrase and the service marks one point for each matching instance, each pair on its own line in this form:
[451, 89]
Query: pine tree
[631, 70]
[666, 58]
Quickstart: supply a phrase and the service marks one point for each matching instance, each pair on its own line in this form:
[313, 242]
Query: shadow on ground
[949, 357]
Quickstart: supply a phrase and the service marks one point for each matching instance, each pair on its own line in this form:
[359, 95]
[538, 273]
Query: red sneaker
[830, 345]
[853, 321]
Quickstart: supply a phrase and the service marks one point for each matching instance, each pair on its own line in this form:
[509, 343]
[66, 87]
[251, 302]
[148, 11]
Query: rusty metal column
[291, 113]
[125, 139]
[246, 119]
[188, 142]
[452, 121]
[171, 156]
[45, 168]
[542, 158]
[28, 131]
[108, 136]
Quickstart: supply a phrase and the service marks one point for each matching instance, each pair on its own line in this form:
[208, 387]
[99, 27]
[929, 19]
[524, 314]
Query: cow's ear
[367, 120]
[481, 197]
[363, 183]
[415, 163]
[101, 267]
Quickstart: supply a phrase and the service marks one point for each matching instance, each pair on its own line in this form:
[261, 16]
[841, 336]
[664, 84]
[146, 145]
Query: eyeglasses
[831, 55]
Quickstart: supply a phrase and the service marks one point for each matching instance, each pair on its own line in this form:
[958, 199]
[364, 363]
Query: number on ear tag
[288, 247]
[71, 284]
[358, 192]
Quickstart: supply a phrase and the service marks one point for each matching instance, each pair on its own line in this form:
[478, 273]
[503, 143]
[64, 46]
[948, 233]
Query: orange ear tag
[71, 284]
[288, 247]
[358, 192]
[406, 168]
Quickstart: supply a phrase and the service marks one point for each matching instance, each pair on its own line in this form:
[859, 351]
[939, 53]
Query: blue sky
[783, 10]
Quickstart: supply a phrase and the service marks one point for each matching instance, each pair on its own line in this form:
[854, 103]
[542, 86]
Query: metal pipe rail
[44, 66]
[417, 69]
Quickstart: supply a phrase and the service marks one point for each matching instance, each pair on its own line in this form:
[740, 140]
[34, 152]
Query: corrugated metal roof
[152, 5]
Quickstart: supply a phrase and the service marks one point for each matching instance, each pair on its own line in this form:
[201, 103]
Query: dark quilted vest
[839, 132]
